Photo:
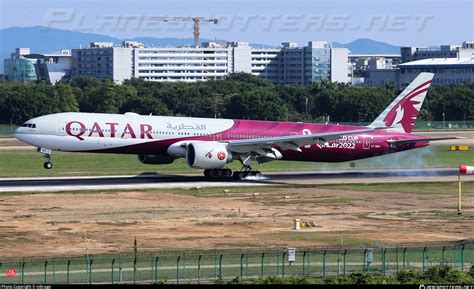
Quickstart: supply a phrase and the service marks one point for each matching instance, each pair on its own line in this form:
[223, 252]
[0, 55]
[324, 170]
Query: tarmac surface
[157, 181]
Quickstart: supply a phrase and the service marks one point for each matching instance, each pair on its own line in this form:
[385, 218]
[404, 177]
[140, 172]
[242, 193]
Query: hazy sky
[400, 22]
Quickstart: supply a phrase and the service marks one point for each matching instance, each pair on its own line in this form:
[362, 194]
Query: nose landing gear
[48, 165]
[47, 155]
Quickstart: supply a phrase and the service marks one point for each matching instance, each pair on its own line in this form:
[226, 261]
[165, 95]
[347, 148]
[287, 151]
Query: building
[19, 68]
[450, 64]
[26, 66]
[341, 69]
[304, 65]
[381, 77]
[364, 62]
[186, 64]
[53, 67]
[266, 63]
[446, 70]
[103, 59]
[444, 51]
[285, 64]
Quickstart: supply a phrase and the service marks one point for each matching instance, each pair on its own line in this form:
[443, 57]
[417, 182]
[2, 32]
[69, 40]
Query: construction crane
[196, 20]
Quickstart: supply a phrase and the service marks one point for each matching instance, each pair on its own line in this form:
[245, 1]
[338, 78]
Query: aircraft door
[61, 129]
[366, 142]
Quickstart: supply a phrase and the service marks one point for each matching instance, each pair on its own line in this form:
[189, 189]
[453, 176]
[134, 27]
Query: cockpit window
[30, 125]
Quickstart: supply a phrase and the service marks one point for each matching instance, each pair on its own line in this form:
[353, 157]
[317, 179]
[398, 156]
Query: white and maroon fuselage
[161, 135]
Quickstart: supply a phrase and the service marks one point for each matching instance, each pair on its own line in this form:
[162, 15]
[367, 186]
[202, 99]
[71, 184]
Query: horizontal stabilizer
[427, 139]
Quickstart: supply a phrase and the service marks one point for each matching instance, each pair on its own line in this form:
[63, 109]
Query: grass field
[20, 163]
[435, 188]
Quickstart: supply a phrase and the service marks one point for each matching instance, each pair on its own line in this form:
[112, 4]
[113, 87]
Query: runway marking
[155, 181]
[171, 185]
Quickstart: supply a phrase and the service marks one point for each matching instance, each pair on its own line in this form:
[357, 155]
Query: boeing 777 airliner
[210, 144]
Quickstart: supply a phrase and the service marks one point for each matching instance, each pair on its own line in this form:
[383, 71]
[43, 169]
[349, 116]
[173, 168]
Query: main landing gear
[212, 173]
[226, 173]
[47, 155]
[244, 174]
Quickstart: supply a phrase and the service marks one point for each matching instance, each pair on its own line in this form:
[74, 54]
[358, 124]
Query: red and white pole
[466, 170]
[463, 170]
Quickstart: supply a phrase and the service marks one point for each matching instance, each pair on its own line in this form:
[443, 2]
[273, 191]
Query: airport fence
[6, 130]
[440, 125]
[209, 266]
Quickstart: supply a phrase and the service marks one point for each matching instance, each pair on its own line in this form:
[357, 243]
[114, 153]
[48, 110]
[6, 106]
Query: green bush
[434, 275]
[471, 271]
[410, 277]
[458, 277]
[161, 281]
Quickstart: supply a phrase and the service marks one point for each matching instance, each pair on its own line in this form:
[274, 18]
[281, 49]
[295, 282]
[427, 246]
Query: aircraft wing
[293, 142]
[427, 139]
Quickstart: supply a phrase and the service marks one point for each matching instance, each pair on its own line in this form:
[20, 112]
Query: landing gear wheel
[219, 173]
[48, 165]
[212, 173]
[258, 175]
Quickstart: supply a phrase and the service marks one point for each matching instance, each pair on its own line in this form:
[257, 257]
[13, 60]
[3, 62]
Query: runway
[158, 181]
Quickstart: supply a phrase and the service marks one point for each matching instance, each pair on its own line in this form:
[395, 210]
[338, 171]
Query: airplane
[210, 144]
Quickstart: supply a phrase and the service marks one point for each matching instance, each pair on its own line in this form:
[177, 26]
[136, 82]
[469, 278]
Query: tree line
[240, 96]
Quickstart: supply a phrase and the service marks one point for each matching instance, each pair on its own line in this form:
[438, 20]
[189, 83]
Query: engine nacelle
[207, 155]
[155, 159]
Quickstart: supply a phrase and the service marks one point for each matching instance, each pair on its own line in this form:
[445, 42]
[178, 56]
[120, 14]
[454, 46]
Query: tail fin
[401, 114]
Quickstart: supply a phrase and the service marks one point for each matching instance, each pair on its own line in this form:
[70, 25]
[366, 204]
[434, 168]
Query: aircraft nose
[18, 133]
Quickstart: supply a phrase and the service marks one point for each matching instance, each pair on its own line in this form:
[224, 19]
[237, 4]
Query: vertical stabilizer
[401, 114]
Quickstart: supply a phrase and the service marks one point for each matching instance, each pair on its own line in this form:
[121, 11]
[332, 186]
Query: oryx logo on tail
[408, 108]
[401, 114]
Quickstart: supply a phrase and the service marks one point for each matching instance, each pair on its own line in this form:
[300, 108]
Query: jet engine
[155, 159]
[207, 155]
